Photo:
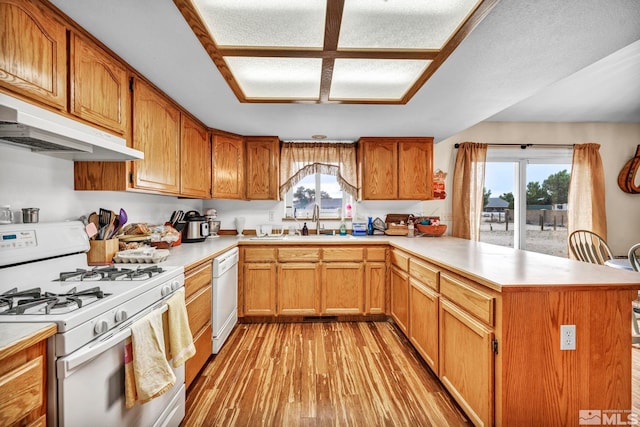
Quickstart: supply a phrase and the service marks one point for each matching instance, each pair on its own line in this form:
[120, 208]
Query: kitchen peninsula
[485, 318]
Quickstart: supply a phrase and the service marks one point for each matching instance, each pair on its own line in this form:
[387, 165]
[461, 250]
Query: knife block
[101, 252]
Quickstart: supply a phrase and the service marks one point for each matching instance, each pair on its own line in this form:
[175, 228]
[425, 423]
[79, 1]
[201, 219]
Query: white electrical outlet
[567, 337]
[271, 215]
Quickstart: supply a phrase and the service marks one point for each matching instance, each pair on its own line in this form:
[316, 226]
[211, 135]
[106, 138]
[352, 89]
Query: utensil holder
[101, 252]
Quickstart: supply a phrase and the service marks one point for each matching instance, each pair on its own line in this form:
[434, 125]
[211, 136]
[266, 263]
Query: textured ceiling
[570, 60]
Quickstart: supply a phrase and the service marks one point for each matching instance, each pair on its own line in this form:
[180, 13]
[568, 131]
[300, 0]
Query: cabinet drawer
[376, 254]
[400, 259]
[202, 343]
[342, 254]
[425, 273]
[468, 297]
[22, 391]
[259, 254]
[199, 310]
[298, 254]
[197, 279]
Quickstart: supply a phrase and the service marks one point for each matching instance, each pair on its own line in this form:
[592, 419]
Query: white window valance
[299, 159]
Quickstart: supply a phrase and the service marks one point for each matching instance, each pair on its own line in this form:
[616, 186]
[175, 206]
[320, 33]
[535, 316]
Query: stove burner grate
[109, 273]
[10, 297]
[50, 300]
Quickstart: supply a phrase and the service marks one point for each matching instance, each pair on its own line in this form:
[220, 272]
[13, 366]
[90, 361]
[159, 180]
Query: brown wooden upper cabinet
[228, 166]
[395, 168]
[156, 132]
[99, 86]
[263, 167]
[33, 57]
[195, 157]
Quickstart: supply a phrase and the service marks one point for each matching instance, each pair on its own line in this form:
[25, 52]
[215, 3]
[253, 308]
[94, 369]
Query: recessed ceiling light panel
[331, 51]
[401, 24]
[265, 23]
[374, 79]
[279, 78]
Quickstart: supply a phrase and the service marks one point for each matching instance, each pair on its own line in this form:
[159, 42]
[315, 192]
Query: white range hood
[26, 125]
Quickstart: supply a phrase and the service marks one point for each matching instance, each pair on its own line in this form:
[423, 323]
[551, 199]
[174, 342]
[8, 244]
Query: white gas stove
[44, 277]
[85, 302]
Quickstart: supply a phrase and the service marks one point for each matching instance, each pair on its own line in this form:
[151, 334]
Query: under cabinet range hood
[43, 131]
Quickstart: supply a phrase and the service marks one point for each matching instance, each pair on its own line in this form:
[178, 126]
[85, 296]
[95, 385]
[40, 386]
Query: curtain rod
[525, 146]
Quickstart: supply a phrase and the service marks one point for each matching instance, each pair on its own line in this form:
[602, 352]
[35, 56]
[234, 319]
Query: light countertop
[15, 337]
[498, 267]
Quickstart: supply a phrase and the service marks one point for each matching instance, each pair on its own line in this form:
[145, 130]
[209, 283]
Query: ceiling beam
[333, 20]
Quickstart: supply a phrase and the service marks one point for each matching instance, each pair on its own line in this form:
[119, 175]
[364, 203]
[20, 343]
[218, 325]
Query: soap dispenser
[370, 226]
[343, 228]
[305, 230]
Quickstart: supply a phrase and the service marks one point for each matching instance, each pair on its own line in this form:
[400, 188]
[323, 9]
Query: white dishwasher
[224, 297]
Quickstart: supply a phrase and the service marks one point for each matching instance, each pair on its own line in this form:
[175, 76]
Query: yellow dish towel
[180, 338]
[147, 372]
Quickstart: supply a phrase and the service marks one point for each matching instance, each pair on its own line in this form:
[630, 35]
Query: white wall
[618, 144]
[40, 181]
[36, 180]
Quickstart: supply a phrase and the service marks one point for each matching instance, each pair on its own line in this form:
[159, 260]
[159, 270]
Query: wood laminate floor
[319, 374]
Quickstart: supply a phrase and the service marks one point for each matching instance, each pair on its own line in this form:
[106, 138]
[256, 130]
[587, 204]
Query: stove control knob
[101, 327]
[175, 285]
[166, 290]
[121, 316]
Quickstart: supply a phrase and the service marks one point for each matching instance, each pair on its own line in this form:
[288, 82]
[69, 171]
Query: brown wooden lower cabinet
[198, 290]
[312, 281]
[23, 388]
[259, 289]
[400, 298]
[467, 362]
[342, 288]
[423, 322]
[375, 278]
[299, 289]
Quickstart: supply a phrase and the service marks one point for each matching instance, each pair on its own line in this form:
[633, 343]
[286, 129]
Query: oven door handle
[66, 365]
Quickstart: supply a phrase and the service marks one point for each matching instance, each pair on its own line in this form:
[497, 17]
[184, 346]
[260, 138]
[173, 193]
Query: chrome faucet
[316, 217]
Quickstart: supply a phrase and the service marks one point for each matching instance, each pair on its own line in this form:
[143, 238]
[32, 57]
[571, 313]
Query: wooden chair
[635, 264]
[634, 258]
[587, 246]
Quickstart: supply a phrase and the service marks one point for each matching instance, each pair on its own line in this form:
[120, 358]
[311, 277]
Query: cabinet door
[375, 278]
[342, 288]
[99, 86]
[23, 388]
[467, 362]
[400, 298]
[259, 289]
[299, 289]
[378, 169]
[195, 159]
[423, 322]
[33, 56]
[415, 169]
[263, 167]
[156, 132]
[228, 167]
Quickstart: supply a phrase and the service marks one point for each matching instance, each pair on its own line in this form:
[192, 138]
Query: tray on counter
[141, 256]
